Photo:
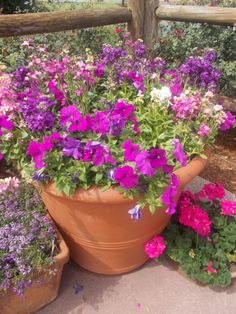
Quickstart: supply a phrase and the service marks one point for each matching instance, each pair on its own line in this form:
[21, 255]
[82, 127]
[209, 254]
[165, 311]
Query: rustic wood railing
[142, 17]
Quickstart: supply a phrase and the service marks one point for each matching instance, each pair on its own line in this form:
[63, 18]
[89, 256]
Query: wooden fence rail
[197, 14]
[141, 15]
[38, 23]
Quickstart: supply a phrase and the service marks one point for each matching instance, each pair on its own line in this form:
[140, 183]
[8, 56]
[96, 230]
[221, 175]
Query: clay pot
[98, 230]
[37, 295]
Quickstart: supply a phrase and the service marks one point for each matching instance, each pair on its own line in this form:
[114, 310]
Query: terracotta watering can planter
[99, 232]
[40, 294]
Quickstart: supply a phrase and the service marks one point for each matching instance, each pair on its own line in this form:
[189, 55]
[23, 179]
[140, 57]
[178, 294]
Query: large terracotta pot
[37, 295]
[98, 230]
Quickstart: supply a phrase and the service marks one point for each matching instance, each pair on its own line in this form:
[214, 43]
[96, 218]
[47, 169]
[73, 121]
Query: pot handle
[193, 169]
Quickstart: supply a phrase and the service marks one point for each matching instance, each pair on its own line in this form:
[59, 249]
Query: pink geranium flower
[228, 208]
[155, 247]
[212, 191]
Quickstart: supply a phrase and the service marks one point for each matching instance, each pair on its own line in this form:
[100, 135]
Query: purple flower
[168, 196]
[73, 116]
[135, 213]
[228, 123]
[130, 150]
[157, 157]
[126, 177]
[72, 148]
[99, 71]
[179, 153]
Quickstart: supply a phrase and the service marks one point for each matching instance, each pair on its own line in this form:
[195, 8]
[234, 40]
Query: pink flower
[196, 218]
[71, 115]
[36, 151]
[212, 191]
[155, 247]
[130, 150]
[210, 269]
[179, 153]
[126, 177]
[228, 208]
[204, 130]
[118, 30]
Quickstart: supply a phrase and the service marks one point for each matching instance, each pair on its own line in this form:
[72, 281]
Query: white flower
[162, 94]
[218, 108]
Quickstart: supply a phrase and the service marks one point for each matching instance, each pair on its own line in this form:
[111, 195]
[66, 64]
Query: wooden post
[150, 24]
[136, 26]
[144, 21]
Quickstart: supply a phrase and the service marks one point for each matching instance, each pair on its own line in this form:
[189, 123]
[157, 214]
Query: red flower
[118, 30]
[210, 269]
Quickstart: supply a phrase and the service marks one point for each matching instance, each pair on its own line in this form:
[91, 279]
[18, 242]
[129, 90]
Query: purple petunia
[72, 148]
[135, 213]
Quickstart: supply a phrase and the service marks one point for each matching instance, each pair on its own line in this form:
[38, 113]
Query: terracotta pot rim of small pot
[97, 195]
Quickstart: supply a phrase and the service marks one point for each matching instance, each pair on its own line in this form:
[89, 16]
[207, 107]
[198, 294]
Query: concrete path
[152, 289]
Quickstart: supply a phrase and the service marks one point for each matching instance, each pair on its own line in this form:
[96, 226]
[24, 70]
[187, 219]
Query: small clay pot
[99, 232]
[40, 294]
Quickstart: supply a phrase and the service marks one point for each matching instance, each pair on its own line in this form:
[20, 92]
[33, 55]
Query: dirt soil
[222, 166]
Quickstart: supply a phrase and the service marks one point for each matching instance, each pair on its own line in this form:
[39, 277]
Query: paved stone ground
[152, 289]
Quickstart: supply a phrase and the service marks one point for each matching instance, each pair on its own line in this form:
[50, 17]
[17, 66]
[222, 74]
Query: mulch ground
[222, 166]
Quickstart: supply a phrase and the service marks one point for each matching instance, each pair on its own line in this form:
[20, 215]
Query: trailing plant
[28, 240]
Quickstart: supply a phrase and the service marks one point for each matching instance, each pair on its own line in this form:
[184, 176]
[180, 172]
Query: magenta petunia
[36, 151]
[5, 123]
[168, 196]
[179, 153]
[99, 123]
[126, 177]
[130, 150]
[72, 117]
